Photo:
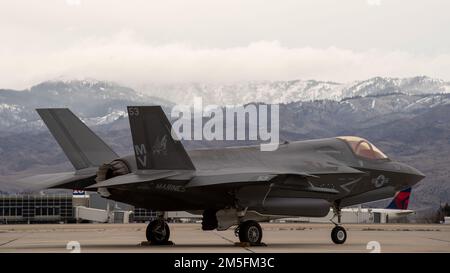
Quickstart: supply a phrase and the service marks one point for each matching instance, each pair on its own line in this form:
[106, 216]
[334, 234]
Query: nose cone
[410, 175]
[417, 175]
[416, 172]
[413, 174]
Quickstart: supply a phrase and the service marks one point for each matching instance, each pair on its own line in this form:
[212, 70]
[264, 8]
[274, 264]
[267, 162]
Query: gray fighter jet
[237, 186]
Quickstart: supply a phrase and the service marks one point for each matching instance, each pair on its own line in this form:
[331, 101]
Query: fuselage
[330, 163]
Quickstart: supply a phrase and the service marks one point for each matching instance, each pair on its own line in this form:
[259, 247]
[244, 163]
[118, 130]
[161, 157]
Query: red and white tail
[401, 200]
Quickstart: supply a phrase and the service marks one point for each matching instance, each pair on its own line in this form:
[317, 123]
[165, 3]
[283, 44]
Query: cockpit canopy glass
[363, 148]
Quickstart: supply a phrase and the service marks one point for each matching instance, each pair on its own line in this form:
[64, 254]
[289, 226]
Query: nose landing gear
[338, 233]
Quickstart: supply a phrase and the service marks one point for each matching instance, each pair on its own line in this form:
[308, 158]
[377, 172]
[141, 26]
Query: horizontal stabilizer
[63, 180]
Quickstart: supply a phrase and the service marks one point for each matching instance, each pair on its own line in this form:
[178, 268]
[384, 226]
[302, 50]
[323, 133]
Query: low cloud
[126, 60]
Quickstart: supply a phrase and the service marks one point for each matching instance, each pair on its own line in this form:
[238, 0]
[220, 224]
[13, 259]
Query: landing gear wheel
[338, 235]
[158, 232]
[250, 232]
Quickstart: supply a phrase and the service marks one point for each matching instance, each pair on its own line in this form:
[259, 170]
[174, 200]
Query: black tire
[338, 235]
[250, 232]
[158, 232]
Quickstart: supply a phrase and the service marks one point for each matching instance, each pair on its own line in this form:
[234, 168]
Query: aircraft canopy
[363, 148]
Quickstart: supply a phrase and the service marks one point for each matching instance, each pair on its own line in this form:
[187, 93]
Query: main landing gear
[249, 232]
[338, 233]
[158, 232]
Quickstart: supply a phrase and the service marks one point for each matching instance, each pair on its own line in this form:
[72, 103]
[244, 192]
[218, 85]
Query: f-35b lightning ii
[237, 186]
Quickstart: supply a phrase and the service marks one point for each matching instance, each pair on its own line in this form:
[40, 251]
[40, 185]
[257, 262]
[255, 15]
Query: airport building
[66, 208]
[141, 215]
[36, 208]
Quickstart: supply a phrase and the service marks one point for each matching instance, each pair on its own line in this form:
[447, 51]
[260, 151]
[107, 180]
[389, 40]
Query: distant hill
[295, 90]
[97, 102]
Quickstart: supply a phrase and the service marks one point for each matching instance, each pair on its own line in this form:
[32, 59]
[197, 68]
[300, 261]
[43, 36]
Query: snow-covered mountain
[96, 102]
[410, 86]
[296, 90]
[101, 102]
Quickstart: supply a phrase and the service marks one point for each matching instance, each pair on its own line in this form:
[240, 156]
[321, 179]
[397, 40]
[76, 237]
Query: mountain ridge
[295, 90]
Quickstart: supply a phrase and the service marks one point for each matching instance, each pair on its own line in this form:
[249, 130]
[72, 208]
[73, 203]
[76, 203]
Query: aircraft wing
[204, 179]
[282, 178]
[197, 181]
[242, 179]
[297, 181]
[214, 180]
[223, 178]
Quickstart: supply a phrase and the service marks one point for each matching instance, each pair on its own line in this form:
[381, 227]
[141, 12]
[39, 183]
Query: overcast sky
[140, 42]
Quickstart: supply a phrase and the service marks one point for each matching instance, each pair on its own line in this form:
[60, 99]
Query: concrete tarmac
[289, 237]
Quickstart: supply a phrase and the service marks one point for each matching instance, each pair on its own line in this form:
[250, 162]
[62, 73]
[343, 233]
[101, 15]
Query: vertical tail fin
[401, 200]
[154, 146]
[82, 146]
